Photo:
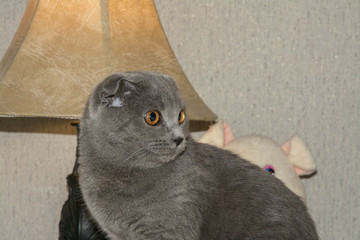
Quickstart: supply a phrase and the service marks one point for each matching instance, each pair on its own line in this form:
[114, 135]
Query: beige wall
[269, 67]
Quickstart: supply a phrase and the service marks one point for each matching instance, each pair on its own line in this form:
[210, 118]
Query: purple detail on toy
[269, 168]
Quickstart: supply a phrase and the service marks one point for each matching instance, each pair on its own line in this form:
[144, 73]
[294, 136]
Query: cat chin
[152, 162]
[167, 152]
[156, 159]
[165, 158]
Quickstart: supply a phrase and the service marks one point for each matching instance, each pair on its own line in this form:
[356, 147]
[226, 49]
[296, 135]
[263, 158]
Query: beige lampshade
[62, 49]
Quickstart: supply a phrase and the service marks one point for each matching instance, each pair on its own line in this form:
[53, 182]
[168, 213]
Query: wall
[269, 67]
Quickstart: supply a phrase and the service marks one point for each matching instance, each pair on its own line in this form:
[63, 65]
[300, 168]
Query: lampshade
[62, 49]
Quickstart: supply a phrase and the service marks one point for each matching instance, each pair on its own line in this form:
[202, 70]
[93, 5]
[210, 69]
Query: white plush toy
[287, 162]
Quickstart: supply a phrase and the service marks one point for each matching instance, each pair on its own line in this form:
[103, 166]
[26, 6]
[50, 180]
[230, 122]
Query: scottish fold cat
[143, 176]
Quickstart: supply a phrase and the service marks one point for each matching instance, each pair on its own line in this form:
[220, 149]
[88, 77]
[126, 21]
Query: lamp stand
[75, 222]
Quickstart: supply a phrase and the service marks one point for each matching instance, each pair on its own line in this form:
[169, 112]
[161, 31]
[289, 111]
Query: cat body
[143, 176]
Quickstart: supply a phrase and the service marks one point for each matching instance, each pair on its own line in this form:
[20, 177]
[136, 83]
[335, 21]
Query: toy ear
[214, 136]
[299, 156]
[228, 136]
[114, 91]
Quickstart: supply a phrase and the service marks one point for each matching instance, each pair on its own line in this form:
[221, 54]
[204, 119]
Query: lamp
[62, 49]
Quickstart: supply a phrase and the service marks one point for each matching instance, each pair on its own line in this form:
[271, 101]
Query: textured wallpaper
[279, 67]
[268, 67]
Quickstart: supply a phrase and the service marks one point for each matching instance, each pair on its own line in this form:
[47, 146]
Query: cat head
[135, 119]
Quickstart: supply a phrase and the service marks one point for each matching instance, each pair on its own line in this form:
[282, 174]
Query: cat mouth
[165, 148]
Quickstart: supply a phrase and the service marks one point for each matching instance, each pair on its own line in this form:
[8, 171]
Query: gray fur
[139, 185]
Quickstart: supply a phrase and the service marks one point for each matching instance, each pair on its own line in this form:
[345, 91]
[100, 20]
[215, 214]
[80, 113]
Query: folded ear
[115, 89]
[214, 136]
[299, 156]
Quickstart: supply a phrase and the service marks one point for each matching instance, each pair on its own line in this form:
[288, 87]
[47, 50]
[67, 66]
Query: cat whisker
[136, 153]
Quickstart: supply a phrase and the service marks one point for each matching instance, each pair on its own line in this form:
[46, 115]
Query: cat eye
[181, 117]
[152, 118]
[270, 169]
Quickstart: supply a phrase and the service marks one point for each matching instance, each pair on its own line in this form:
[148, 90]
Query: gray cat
[143, 176]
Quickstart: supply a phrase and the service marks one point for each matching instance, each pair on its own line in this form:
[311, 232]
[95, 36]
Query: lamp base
[76, 222]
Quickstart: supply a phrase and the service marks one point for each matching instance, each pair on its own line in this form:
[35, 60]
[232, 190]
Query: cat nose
[178, 140]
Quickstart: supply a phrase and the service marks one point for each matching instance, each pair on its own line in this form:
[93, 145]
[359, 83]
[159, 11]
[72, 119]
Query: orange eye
[152, 118]
[181, 117]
